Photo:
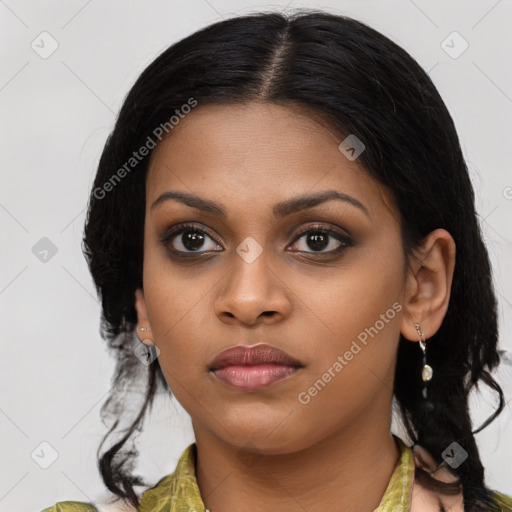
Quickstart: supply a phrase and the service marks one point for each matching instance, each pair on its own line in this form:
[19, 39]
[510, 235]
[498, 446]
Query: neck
[348, 470]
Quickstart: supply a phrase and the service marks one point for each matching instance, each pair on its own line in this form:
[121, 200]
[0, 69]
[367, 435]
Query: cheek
[174, 295]
[176, 310]
[362, 324]
[355, 297]
[179, 329]
[352, 373]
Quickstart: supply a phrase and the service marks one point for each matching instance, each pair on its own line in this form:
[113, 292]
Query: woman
[284, 214]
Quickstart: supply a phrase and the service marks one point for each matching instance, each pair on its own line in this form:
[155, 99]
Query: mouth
[253, 378]
[253, 368]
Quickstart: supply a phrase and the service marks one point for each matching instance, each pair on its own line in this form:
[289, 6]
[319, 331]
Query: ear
[142, 318]
[428, 285]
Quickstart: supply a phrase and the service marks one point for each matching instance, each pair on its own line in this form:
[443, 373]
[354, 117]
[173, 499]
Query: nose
[252, 293]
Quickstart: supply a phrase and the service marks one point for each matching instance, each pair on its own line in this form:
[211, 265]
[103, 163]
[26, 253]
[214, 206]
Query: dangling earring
[427, 372]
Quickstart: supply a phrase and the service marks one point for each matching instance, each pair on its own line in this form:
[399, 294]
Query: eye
[318, 238]
[189, 239]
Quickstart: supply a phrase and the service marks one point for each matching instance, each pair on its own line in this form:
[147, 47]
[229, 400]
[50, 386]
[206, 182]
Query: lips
[253, 368]
[255, 355]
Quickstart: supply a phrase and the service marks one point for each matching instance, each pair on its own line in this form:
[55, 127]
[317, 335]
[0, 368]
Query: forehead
[257, 150]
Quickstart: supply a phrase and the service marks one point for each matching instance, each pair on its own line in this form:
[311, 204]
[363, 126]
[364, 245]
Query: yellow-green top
[179, 492]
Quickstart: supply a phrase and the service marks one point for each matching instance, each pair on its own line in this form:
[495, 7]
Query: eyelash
[167, 237]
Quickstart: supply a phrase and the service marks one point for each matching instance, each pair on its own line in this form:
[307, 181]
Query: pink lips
[253, 368]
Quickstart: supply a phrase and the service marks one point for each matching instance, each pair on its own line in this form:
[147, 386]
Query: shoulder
[503, 501]
[79, 506]
[71, 506]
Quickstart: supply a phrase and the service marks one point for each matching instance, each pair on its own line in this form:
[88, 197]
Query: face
[322, 281]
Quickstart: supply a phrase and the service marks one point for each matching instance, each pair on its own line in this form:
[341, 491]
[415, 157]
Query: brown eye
[189, 239]
[320, 239]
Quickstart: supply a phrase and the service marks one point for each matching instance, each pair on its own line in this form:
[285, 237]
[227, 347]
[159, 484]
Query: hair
[359, 82]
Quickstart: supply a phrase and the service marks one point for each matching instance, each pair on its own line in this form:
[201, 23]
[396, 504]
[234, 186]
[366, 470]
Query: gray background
[56, 114]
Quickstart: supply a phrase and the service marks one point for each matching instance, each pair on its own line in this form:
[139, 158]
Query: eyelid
[326, 228]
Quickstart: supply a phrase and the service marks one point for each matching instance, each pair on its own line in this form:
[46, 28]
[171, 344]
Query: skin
[265, 450]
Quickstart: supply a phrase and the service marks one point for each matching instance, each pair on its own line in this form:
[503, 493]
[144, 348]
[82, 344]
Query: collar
[179, 491]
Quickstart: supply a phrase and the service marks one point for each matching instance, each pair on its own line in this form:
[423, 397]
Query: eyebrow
[280, 210]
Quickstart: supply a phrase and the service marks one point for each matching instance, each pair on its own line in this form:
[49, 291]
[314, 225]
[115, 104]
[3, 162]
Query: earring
[147, 341]
[427, 372]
